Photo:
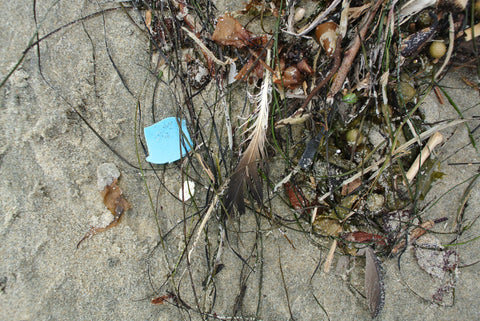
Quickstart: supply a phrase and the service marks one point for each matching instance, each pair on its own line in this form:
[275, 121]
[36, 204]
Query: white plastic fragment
[187, 191]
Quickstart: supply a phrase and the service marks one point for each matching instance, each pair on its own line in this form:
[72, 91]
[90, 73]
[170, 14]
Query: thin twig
[321, 84]
[212, 206]
[351, 53]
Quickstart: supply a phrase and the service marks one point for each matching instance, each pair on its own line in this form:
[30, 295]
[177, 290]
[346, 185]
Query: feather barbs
[246, 172]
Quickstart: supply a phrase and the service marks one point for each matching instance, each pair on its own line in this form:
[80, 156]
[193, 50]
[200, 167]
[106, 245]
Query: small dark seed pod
[416, 41]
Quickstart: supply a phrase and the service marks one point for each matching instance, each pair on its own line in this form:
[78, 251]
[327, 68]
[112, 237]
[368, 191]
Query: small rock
[299, 14]
[106, 174]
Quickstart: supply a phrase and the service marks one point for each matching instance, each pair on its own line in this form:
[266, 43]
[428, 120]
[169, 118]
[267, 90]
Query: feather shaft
[246, 172]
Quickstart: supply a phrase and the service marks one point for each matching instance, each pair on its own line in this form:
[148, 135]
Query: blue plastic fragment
[163, 141]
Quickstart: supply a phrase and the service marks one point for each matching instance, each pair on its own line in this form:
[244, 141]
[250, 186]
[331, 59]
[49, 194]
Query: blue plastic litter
[163, 141]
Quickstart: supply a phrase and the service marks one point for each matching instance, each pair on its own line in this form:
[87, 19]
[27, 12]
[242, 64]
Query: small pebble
[106, 174]
[299, 14]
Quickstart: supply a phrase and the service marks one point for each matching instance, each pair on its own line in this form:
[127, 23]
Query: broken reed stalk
[470, 32]
[436, 139]
[351, 54]
[329, 260]
[212, 206]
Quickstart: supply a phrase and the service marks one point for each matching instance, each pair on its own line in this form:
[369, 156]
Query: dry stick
[226, 111]
[329, 260]
[207, 51]
[436, 139]
[344, 18]
[291, 15]
[261, 61]
[351, 53]
[471, 31]
[314, 215]
[205, 167]
[202, 226]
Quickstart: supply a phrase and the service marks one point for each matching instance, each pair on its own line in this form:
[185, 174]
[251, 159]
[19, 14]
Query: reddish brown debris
[161, 299]
[326, 35]
[414, 234]
[296, 197]
[304, 67]
[116, 203]
[291, 78]
[229, 32]
[363, 237]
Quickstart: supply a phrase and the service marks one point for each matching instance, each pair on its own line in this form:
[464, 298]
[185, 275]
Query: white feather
[246, 170]
[262, 100]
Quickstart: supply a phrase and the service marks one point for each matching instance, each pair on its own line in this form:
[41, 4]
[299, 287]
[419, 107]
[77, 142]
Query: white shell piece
[187, 191]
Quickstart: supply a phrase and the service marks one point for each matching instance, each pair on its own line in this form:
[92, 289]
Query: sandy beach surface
[49, 197]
